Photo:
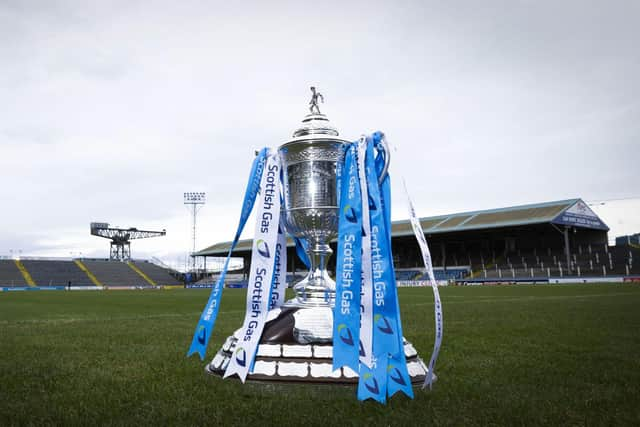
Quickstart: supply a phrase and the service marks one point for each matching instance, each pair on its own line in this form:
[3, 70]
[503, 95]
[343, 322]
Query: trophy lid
[315, 125]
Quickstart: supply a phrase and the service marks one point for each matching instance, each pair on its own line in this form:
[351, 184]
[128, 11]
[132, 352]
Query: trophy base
[296, 347]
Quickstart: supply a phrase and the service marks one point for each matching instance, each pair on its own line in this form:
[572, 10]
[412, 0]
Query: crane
[120, 238]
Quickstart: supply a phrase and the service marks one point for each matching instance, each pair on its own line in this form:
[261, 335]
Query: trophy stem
[317, 289]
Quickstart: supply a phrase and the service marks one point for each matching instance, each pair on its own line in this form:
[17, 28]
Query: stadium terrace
[542, 242]
[551, 242]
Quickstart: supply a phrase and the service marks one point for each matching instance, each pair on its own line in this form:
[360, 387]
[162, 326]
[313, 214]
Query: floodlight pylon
[194, 200]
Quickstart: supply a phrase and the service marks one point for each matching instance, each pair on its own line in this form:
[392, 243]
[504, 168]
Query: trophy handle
[386, 154]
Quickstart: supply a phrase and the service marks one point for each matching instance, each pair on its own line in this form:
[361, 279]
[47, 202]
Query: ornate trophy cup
[311, 162]
[296, 343]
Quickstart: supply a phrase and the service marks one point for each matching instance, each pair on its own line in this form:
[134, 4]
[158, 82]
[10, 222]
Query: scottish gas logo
[382, 324]
[241, 357]
[361, 351]
[395, 375]
[372, 203]
[350, 214]
[202, 334]
[263, 248]
[345, 334]
[371, 383]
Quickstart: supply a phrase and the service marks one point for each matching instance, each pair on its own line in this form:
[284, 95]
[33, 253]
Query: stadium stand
[115, 273]
[439, 273]
[631, 240]
[157, 274]
[230, 277]
[451, 273]
[409, 274]
[10, 275]
[44, 272]
[539, 241]
[590, 261]
[56, 273]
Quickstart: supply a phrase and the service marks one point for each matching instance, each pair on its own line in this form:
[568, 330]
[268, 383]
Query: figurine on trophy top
[313, 104]
[315, 123]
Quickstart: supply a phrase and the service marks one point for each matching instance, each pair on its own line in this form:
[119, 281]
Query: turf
[553, 355]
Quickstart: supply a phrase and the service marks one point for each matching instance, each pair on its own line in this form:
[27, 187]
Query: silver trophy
[296, 343]
[311, 162]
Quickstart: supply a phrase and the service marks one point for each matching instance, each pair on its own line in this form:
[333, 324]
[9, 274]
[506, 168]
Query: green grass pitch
[511, 355]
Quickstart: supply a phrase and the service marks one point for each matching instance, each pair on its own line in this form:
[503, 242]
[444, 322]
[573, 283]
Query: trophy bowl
[311, 164]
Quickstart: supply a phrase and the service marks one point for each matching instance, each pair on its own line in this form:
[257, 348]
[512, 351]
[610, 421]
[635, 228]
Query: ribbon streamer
[366, 295]
[261, 273]
[346, 311]
[428, 265]
[207, 320]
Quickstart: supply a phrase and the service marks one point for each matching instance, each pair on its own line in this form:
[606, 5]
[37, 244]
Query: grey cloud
[30, 135]
[115, 109]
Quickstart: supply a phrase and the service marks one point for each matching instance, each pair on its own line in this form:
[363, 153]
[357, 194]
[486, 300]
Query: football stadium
[550, 338]
[500, 288]
[552, 242]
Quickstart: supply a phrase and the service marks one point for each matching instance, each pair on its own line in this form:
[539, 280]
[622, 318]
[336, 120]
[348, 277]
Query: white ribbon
[280, 269]
[366, 300]
[428, 265]
[426, 259]
[262, 268]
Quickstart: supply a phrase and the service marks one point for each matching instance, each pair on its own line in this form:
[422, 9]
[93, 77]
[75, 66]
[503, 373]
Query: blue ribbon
[372, 383]
[398, 378]
[208, 317]
[346, 311]
[301, 250]
[390, 374]
[385, 314]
